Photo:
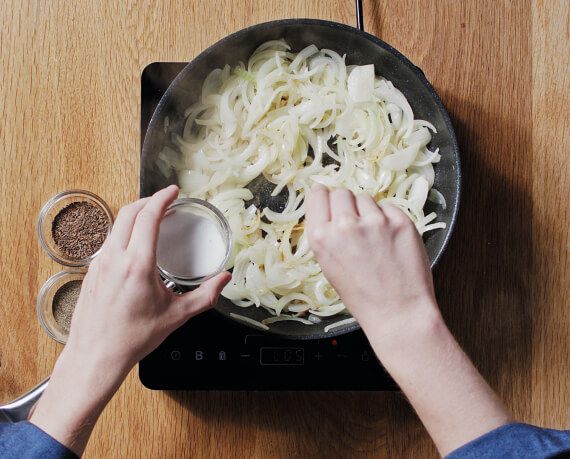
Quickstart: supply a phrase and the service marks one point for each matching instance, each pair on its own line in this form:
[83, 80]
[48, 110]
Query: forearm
[124, 312]
[451, 398]
[76, 395]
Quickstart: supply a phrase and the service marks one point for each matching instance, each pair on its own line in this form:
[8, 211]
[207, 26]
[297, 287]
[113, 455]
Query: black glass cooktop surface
[211, 352]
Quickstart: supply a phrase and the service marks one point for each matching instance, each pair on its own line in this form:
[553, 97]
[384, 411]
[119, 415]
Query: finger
[318, 207]
[394, 214]
[204, 297]
[343, 204]
[145, 231]
[123, 226]
[367, 207]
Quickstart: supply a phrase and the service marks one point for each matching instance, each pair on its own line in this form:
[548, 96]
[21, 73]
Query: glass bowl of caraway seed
[56, 302]
[73, 225]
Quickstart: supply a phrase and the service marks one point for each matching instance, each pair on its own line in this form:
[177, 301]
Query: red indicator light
[334, 342]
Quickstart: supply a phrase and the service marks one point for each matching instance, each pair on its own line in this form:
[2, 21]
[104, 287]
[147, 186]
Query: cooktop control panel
[210, 352]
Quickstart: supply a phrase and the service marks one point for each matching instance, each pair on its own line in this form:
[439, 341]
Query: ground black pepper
[80, 229]
[64, 301]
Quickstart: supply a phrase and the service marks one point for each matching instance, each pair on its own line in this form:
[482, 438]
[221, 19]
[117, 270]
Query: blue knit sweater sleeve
[517, 440]
[23, 440]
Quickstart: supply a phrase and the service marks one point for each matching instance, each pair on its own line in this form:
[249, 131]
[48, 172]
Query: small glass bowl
[45, 302]
[52, 208]
[166, 244]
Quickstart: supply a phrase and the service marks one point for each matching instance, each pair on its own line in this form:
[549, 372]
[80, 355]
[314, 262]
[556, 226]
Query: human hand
[375, 259]
[124, 310]
[373, 256]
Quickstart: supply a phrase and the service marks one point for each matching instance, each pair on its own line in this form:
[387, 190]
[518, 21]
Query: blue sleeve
[517, 440]
[23, 440]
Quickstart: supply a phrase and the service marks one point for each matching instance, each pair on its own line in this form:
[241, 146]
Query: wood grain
[70, 102]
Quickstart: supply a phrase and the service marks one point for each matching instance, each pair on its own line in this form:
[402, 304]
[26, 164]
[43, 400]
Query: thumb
[204, 297]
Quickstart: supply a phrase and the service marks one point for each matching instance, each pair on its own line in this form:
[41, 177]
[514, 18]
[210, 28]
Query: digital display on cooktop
[281, 356]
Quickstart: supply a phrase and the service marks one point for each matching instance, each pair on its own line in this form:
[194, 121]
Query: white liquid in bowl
[191, 244]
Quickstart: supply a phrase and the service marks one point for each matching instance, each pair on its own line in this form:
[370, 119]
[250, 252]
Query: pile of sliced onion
[298, 119]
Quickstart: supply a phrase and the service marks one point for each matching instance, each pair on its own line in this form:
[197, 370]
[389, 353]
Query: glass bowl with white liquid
[194, 242]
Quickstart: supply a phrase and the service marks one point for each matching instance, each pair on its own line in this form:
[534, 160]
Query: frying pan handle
[360, 25]
[19, 409]
[359, 16]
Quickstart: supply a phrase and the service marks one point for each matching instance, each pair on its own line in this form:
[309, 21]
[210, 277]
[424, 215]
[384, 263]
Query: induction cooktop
[211, 352]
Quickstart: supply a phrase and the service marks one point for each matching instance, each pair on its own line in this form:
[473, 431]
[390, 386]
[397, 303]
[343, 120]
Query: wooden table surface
[69, 118]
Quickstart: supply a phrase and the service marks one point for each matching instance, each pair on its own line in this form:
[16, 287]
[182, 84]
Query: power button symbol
[175, 355]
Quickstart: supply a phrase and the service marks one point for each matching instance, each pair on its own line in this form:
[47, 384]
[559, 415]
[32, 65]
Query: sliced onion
[436, 197]
[249, 321]
[298, 119]
[272, 320]
[339, 324]
[326, 311]
[360, 83]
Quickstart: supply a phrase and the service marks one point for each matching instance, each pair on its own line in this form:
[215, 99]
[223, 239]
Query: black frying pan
[360, 48]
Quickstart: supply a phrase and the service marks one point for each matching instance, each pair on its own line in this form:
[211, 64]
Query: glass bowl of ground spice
[73, 225]
[56, 302]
